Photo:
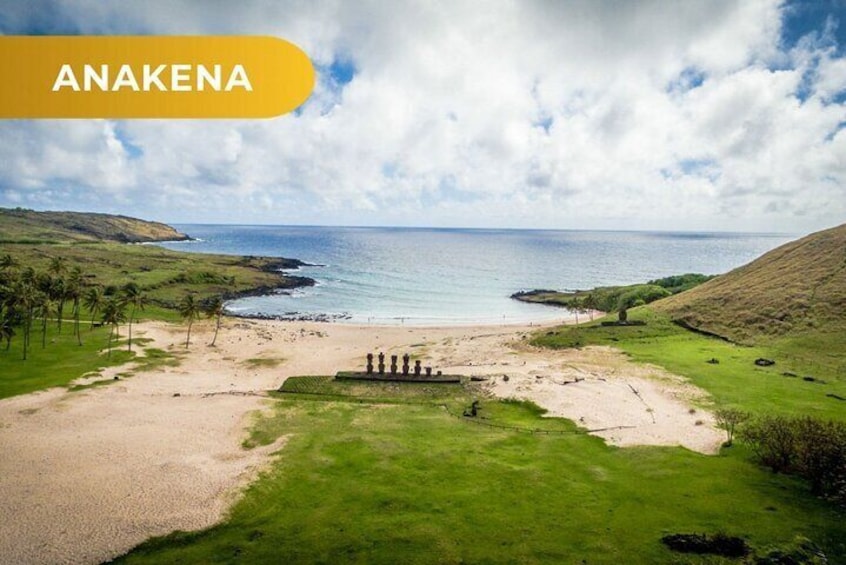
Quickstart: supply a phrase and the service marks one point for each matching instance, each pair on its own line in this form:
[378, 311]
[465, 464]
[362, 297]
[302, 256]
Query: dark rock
[761, 362]
[718, 544]
[713, 361]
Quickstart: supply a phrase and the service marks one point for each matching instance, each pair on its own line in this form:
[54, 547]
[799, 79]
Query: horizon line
[466, 228]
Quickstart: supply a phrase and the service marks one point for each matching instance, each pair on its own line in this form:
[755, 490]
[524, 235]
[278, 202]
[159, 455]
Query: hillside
[28, 226]
[797, 291]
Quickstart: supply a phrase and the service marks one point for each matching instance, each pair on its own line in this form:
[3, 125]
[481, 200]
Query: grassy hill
[96, 244]
[28, 226]
[796, 292]
[788, 306]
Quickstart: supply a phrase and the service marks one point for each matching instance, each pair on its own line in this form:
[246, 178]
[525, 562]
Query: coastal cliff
[19, 225]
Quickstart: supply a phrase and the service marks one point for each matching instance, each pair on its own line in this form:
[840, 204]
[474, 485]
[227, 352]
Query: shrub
[728, 419]
[812, 449]
[771, 439]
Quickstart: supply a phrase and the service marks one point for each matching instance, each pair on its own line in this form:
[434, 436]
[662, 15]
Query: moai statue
[405, 359]
[381, 363]
[369, 363]
[393, 364]
[428, 371]
[417, 368]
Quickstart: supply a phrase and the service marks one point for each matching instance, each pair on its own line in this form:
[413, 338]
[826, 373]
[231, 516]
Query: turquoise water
[420, 276]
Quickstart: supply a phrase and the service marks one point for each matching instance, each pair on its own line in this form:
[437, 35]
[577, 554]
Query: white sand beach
[87, 475]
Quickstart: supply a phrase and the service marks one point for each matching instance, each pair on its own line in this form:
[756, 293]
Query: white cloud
[577, 114]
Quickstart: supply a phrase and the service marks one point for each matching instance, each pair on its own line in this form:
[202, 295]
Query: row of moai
[406, 369]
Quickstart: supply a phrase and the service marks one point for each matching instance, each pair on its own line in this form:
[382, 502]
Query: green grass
[165, 276]
[155, 358]
[268, 362]
[63, 360]
[59, 363]
[375, 391]
[735, 380]
[21, 225]
[410, 483]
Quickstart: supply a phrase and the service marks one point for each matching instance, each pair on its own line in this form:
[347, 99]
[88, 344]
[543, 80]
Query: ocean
[438, 276]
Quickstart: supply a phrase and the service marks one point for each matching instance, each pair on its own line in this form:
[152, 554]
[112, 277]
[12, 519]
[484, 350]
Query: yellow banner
[151, 77]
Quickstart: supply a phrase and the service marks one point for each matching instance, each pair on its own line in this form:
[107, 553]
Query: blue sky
[715, 115]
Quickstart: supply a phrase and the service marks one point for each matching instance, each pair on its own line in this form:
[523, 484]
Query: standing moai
[381, 363]
[369, 363]
[405, 359]
[393, 364]
[428, 371]
[417, 368]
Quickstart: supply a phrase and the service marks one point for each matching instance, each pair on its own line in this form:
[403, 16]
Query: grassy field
[735, 380]
[402, 480]
[165, 276]
[60, 362]
[63, 360]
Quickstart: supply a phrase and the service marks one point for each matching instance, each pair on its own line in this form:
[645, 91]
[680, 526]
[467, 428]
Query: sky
[699, 115]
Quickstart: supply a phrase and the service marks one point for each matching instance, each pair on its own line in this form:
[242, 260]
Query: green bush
[807, 447]
[639, 295]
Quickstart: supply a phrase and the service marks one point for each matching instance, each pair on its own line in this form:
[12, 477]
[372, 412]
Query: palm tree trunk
[61, 309]
[216, 329]
[111, 331]
[131, 314]
[44, 333]
[188, 339]
[76, 323]
[27, 325]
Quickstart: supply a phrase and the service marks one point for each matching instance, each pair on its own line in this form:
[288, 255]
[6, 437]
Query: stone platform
[397, 377]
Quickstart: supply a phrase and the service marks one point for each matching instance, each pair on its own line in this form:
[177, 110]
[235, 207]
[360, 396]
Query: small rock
[761, 362]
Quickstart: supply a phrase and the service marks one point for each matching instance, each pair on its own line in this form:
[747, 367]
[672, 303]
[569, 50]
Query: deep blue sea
[421, 276]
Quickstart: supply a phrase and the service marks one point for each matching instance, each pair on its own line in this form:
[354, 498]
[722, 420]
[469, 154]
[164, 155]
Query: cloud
[687, 115]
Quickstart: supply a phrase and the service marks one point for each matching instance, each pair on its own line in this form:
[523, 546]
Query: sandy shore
[87, 475]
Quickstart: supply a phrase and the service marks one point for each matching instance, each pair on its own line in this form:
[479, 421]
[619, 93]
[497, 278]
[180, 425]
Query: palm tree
[114, 312]
[45, 310]
[590, 304]
[7, 329]
[6, 262]
[28, 275]
[58, 266]
[94, 300]
[58, 292]
[576, 305]
[190, 311]
[74, 292]
[134, 297]
[10, 311]
[214, 309]
[25, 299]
